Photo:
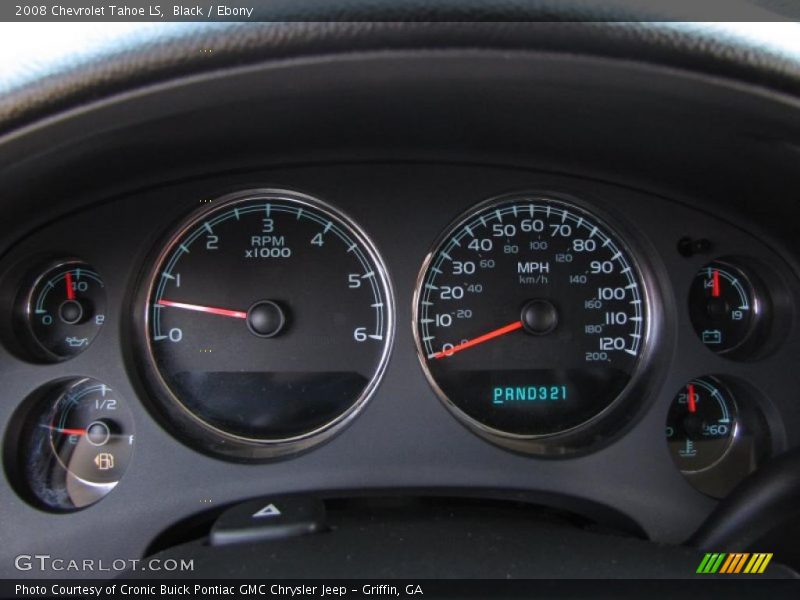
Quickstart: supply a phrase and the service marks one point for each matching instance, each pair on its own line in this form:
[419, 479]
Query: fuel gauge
[63, 310]
[726, 307]
[76, 445]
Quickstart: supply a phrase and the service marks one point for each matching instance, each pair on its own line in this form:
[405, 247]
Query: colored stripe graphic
[711, 563]
[758, 563]
[734, 563]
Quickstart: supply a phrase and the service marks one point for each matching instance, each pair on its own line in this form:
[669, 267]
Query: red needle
[479, 340]
[692, 403]
[69, 431]
[223, 312]
[715, 284]
[70, 290]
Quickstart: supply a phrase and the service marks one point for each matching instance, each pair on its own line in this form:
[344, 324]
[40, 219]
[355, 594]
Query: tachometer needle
[480, 339]
[223, 312]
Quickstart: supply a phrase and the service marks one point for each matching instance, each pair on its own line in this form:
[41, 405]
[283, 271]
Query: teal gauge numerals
[701, 424]
[63, 310]
[727, 308]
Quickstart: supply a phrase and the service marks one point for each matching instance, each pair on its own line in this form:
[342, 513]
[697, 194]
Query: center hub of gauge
[71, 312]
[717, 308]
[98, 433]
[539, 317]
[266, 319]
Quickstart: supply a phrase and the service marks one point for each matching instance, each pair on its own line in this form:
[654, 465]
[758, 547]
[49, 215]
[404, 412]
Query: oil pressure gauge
[62, 311]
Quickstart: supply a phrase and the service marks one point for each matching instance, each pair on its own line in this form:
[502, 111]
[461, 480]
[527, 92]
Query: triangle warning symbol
[270, 510]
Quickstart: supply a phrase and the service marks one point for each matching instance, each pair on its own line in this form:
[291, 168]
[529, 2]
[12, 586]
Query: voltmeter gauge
[63, 310]
[726, 307]
[77, 444]
[268, 321]
[701, 424]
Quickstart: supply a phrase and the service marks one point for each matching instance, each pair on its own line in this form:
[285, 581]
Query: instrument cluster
[258, 324]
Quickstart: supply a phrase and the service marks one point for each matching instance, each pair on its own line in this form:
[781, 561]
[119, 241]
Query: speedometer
[531, 317]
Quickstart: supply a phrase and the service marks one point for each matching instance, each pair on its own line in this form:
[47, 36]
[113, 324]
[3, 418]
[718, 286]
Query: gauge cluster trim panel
[404, 438]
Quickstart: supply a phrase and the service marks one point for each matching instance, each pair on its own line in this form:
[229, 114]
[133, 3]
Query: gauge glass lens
[269, 317]
[530, 316]
[80, 445]
[723, 307]
[701, 424]
[65, 309]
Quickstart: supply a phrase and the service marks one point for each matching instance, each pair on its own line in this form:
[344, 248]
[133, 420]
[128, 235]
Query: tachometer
[531, 317]
[269, 320]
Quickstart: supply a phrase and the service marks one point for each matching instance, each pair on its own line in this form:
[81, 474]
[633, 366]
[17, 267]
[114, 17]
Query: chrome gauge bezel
[617, 416]
[25, 310]
[732, 439]
[178, 417]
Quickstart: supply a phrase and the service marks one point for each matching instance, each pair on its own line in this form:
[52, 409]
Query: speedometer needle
[480, 339]
[223, 312]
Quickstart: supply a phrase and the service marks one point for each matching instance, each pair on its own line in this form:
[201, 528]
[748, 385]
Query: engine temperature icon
[724, 307]
[701, 424]
[63, 310]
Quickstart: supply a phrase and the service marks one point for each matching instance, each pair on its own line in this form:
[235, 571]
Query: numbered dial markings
[65, 310]
[530, 317]
[725, 308]
[269, 318]
[80, 444]
[701, 424]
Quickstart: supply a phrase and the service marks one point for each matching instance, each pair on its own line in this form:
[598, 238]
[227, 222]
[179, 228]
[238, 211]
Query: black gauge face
[269, 319]
[79, 446]
[701, 424]
[531, 317]
[724, 307]
[64, 310]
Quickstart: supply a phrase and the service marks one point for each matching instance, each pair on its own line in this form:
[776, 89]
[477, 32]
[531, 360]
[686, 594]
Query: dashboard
[527, 288]
[530, 410]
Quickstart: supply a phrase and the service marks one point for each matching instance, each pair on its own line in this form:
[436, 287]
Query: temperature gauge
[77, 444]
[725, 308]
[701, 424]
[63, 310]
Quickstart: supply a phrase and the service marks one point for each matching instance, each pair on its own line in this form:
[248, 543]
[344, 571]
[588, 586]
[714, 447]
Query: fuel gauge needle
[222, 312]
[66, 431]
